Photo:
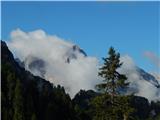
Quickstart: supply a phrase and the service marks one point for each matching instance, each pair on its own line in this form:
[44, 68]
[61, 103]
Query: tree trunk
[125, 117]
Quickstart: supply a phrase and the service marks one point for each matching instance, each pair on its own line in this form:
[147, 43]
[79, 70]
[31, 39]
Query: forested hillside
[28, 97]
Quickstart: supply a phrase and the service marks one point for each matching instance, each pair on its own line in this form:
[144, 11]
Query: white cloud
[81, 73]
[143, 87]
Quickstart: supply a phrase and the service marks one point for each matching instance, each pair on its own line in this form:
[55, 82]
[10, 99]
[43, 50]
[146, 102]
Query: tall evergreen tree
[112, 79]
[18, 102]
[10, 86]
[112, 83]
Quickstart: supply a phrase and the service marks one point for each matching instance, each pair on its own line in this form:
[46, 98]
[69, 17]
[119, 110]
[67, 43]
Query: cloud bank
[139, 85]
[80, 73]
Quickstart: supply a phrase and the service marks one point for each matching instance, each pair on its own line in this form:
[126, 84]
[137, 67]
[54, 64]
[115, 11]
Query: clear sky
[131, 27]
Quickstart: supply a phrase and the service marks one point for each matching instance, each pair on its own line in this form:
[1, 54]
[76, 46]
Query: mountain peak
[74, 52]
[148, 77]
[77, 48]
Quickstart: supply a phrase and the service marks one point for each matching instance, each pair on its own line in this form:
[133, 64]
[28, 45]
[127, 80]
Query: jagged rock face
[76, 48]
[148, 77]
[73, 53]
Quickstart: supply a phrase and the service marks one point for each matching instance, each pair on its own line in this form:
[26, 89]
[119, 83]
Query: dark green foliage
[102, 108]
[113, 80]
[82, 102]
[105, 110]
[18, 104]
[31, 100]
[83, 98]
[155, 108]
[98, 107]
[142, 107]
[82, 114]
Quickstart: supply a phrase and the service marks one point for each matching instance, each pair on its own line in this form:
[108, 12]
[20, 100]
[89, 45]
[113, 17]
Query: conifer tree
[10, 86]
[18, 102]
[112, 79]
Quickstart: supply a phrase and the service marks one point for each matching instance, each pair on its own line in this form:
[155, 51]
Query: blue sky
[131, 27]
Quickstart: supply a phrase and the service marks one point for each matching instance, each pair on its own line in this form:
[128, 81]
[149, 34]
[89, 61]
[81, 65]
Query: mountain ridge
[37, 65]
